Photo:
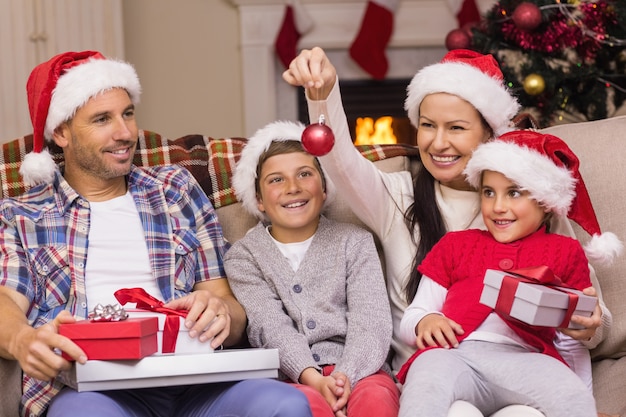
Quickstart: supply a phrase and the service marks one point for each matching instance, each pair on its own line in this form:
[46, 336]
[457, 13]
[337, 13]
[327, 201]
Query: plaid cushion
[11, 159]
[211, 161]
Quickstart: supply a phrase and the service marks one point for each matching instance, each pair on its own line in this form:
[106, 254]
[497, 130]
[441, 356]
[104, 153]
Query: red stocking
[368, 49]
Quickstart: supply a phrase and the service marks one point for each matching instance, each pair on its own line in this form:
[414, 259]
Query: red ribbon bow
[534, 275]
[147, 302]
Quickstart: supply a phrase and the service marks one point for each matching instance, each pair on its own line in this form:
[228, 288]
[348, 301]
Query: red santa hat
[471, 76]
[60, 86]
[245, 175]
[548, 169]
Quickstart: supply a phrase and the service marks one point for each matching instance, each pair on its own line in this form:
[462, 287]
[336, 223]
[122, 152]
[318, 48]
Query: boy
[311, 287]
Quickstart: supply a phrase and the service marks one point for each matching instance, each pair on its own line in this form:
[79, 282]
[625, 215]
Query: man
[102, 224]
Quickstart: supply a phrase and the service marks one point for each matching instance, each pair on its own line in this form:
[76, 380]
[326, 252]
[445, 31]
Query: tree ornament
[579, 46]
[534, 84]
[527, 16]
[317, 138]
[457, 39]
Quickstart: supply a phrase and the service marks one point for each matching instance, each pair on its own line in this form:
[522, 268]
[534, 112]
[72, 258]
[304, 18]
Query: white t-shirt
[117, 254]
[294, 252]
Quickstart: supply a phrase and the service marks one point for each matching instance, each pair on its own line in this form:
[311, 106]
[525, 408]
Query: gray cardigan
[333, 310]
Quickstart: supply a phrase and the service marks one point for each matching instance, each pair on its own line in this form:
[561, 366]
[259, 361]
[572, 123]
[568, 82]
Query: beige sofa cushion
[600, 148]
[11, 392]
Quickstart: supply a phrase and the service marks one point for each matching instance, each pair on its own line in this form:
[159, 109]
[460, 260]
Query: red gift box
[114, 340]
[146, 302]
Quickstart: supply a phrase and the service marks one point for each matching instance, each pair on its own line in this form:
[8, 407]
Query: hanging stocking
[368, 48]
[466, 11]
[296, 23]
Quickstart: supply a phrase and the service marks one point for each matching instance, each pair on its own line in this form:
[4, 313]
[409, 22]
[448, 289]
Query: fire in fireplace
[374, 109]
[369, 131]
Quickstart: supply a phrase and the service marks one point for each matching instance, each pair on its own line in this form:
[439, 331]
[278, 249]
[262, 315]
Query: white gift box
[536, 304]
[169, 370]
[184, 343]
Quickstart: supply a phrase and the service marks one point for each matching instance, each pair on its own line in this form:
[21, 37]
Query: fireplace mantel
[418, 25]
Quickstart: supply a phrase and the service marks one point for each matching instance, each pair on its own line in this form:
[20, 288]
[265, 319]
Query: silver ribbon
[108, 313]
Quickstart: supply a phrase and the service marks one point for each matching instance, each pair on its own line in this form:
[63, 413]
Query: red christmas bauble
[457, 39]
[527, 16]
[318, 139]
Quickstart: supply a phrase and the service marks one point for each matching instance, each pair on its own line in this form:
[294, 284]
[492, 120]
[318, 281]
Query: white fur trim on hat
[488, 95]
[604, 248]
[245, 172]
[552, 186]
[78, 84]
[37, 168]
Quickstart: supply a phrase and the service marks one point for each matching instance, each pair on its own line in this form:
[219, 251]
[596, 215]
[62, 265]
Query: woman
[455, 105]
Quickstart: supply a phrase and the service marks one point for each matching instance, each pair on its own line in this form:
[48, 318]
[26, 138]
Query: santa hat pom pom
[38, 167]
[604, 248]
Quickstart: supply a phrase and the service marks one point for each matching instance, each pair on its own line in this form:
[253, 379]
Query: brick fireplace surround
[420, 28]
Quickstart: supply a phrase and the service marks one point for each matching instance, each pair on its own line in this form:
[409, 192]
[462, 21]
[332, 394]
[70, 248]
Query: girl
[491, 360]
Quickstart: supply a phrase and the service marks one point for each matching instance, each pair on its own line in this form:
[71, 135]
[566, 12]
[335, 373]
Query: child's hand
[342, 392]
[590, 324]
[328, 386]
[437, 330]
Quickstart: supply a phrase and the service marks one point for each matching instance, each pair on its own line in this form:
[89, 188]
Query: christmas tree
[565, 60]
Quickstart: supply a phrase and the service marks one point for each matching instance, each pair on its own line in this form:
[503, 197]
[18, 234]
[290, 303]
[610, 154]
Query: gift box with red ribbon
[535, 296]
[180, 342]
[114, 340]
[172, 336]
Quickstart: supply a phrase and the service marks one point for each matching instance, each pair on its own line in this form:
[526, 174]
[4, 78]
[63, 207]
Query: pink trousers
[375, 395]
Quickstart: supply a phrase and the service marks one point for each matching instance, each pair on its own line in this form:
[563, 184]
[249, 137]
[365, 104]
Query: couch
[601, 145]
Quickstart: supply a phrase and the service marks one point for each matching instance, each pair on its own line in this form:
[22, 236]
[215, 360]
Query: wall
[33, 31]
[186, 53]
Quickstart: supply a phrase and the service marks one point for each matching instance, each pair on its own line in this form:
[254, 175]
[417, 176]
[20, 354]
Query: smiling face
[449, 129]
[99, 141]
[508, 212]
[291, 193]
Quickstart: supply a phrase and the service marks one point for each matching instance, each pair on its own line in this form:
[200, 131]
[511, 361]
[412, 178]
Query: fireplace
[375, 100]
[420, 28]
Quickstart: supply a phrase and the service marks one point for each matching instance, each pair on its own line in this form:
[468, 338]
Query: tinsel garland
[579, 50]
[560, 31]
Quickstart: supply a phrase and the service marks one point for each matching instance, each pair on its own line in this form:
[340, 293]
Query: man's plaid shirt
[44, 236]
